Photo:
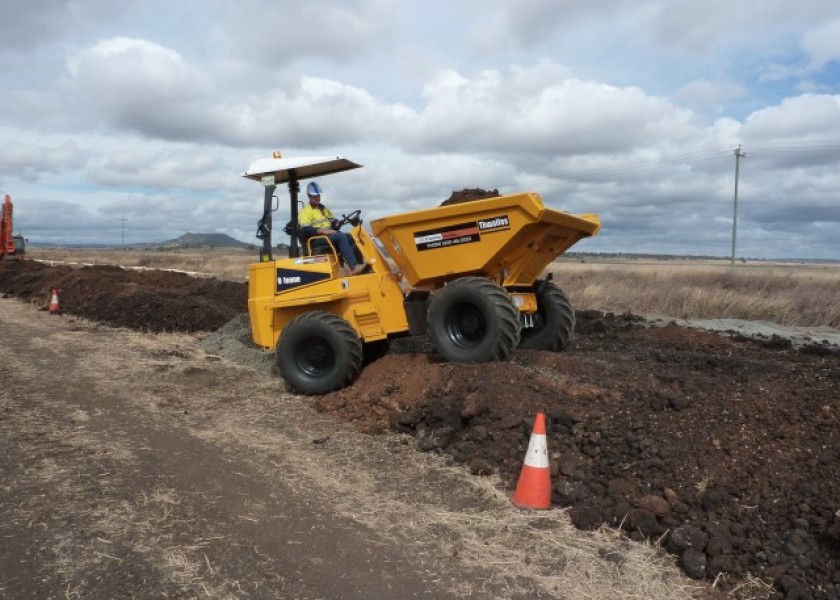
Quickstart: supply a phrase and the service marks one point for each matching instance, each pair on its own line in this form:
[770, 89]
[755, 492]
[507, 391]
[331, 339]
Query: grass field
[226, 263]
[784, 293]
[787, 294]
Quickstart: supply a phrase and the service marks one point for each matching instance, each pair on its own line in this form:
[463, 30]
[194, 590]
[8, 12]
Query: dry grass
[793, 295]
[453, 522]
[460, 531]
[225, 263]
[88, 524]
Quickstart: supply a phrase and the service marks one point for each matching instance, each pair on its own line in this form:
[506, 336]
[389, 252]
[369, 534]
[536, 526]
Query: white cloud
[683, 25]
[823, 44]
[144, 87]
[701, 26]
[516, 112]
[140, 85]
[775, 72]
[531, 22]
[162, 168]
[28, 158]
[34, 22]
[275, 33]
[151, 112]
[704, 94]
[31, 26]
[804, 117]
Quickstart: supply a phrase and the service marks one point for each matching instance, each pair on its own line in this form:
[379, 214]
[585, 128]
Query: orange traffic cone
[54, 308]
[533, 490]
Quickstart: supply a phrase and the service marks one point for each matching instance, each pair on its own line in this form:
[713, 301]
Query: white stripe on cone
[537, 454]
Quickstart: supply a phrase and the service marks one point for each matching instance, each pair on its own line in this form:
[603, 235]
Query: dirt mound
[468, 195]
[145, 300]
[726, 450]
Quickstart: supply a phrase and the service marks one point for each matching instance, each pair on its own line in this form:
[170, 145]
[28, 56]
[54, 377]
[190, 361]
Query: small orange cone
[54, 308]
[533, 490]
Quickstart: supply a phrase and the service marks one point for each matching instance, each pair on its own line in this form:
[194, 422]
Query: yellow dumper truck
[468, 275]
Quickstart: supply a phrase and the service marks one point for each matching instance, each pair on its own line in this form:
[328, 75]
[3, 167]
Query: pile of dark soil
[724, 449]
[145, 300]
[728, 451]
[468, 195]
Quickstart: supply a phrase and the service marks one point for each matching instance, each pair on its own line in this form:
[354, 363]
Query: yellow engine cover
[280, 290]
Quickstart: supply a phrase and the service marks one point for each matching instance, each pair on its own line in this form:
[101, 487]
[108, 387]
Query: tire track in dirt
[222, 507]
[456, 533]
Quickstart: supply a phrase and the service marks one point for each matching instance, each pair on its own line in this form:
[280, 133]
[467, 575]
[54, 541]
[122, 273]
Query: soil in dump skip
[727, 450]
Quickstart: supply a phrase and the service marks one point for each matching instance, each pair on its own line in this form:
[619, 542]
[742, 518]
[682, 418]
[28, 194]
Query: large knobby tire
[473, 319]
[318, 352]
[554, 321]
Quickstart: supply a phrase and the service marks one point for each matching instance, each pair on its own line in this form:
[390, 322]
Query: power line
[702, 156]
[802, 144]
[696, 156]
[797, 149]
[648, 165]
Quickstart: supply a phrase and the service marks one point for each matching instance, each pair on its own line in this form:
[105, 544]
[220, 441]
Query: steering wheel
[352, 218]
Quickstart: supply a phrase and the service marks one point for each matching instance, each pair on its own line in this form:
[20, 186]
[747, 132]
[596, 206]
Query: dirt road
[136, 466]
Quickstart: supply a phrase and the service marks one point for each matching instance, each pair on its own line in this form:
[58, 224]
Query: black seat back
[319, 245]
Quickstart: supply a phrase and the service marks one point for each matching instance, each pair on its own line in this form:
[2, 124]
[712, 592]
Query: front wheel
[318, 352]
[554, 321]
[473, 319]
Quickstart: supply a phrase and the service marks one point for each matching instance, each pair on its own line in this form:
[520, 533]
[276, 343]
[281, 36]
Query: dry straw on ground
[453, 523]
[225, 263]
[792, 295]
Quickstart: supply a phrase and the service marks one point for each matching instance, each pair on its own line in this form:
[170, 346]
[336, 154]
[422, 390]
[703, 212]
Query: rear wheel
[473, 319]
[554, 321]
[318, 352]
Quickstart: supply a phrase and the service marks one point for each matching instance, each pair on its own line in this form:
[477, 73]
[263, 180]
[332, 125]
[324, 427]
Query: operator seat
[320, 245]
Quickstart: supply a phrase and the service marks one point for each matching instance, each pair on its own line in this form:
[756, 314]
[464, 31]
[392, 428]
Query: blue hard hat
[313, 189]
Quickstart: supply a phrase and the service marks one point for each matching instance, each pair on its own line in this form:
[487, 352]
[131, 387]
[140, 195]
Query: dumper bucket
[510, 239]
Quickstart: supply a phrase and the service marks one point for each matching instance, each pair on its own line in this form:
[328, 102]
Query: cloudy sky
[137, 119]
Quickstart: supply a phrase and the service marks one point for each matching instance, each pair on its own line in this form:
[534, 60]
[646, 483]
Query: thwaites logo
[494, 224]
[462, 233]
[288, 279]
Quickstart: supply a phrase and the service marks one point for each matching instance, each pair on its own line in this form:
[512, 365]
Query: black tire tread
[350, 344]
[557, 331]
[506, 313]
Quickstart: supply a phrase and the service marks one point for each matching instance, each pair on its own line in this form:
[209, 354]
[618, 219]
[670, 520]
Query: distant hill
[200, 240]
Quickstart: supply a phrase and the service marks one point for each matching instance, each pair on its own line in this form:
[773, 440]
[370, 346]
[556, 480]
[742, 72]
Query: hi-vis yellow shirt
[315, 217]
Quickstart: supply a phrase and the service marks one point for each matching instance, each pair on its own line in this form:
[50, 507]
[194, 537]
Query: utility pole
[738, 156]
[122, 229]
